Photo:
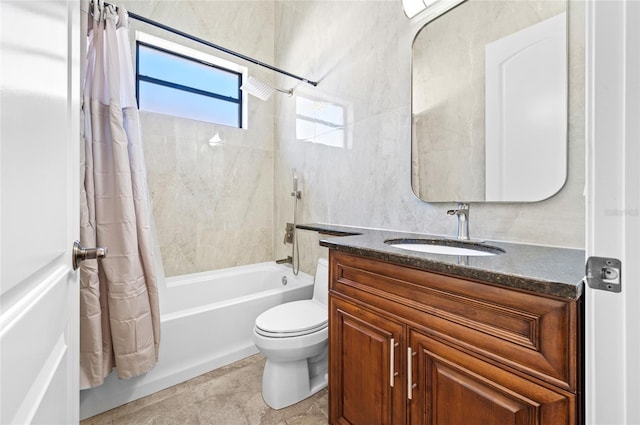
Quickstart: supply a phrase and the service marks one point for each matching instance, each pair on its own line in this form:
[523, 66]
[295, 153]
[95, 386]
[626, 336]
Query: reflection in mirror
[489, 103]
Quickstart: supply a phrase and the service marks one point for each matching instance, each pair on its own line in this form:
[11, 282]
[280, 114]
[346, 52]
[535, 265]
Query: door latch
[81, 253]
[604, 273]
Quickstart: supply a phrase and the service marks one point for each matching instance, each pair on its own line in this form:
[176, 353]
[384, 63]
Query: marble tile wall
[209, 201]
[361, 53]
[213, 206]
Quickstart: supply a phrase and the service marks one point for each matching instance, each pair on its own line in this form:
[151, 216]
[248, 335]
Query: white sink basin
[444, 247]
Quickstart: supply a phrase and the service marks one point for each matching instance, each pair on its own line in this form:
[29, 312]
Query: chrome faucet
[462, 212]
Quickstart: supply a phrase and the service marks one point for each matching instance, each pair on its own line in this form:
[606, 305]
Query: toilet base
[286, 383]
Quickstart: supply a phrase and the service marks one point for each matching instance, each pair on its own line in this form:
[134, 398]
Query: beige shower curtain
[119, 317]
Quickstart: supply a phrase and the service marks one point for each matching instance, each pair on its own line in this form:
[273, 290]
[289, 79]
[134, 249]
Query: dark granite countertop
[540, 269]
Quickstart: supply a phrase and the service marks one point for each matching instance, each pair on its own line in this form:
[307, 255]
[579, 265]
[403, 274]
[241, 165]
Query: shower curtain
[119, 317]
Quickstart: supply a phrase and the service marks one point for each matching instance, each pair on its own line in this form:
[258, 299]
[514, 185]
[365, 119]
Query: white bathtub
[206, 322]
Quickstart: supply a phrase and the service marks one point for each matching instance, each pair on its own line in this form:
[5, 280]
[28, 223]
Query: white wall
[361, 52]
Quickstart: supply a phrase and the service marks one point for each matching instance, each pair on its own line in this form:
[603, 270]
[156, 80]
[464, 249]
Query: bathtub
[206, 322]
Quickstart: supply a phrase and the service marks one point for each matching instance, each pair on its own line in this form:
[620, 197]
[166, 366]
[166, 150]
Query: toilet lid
[293, 318]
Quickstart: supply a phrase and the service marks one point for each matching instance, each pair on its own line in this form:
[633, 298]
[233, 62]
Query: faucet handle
[462, 208]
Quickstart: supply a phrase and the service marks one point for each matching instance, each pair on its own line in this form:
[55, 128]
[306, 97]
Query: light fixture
[413, 7]
[427, 10]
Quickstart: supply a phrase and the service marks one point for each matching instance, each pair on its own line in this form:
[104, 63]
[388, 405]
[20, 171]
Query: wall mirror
[489, 103]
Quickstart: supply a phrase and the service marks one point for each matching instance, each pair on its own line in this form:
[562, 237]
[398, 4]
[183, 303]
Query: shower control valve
[288, 235]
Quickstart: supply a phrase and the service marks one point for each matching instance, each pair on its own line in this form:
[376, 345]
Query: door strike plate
[604, 273]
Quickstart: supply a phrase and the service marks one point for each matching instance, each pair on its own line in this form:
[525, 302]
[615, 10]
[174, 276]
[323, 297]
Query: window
[321, 121]
[174, 80]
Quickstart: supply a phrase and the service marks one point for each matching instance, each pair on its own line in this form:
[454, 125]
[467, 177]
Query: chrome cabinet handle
[80, 253]
[392, 361]
[410, 384]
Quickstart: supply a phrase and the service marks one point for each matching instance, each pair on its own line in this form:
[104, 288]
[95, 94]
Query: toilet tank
[321, 282]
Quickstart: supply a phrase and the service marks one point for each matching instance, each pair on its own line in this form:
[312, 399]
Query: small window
[321, 121]
[178, 81]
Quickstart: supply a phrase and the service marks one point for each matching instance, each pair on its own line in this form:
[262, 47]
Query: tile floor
[227, 396]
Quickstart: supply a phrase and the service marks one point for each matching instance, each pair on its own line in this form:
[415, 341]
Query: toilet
[294, 339]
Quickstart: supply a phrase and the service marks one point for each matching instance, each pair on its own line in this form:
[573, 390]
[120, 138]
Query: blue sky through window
[166, 83]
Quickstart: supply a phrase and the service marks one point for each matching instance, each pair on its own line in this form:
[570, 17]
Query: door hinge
[604, 273]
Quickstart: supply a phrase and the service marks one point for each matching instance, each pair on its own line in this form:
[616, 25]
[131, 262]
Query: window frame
[186, 53]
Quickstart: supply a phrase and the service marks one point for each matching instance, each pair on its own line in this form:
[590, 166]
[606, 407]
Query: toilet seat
[291, 319]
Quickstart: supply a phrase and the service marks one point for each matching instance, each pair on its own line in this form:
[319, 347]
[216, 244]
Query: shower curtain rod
[214, 46]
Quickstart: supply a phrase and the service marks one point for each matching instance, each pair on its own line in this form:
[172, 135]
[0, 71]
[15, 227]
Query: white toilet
[294, 339]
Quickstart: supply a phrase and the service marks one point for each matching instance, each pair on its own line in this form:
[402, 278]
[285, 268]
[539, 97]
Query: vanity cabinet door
[365, 361]
[452, 387]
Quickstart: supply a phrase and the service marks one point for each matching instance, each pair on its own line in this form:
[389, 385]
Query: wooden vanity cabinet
[414, 347]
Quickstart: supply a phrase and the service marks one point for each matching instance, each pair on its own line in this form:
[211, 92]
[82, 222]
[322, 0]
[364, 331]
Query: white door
[613, 210]
[39, 190]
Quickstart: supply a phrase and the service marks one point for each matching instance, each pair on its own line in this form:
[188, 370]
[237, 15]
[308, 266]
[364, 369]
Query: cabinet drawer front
[453, 387]
[534, 334]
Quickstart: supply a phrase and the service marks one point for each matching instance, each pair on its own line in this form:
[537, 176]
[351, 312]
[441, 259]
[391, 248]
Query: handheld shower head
[261, 90]
[295, 193]
[295, 179]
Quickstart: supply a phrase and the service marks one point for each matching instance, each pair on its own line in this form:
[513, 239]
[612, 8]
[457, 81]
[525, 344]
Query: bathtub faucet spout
[288, 260]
